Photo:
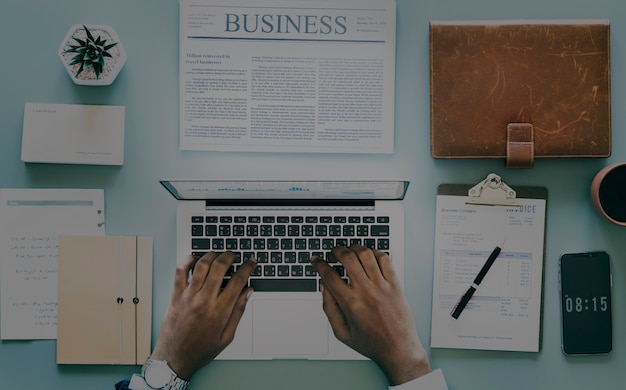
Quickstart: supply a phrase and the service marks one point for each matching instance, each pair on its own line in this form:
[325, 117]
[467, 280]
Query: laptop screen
[260, 189]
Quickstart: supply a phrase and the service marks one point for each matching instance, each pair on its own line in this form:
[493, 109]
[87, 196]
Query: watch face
[157, 374]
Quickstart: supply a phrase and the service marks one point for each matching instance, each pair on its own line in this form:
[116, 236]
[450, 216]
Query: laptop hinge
[289, 203]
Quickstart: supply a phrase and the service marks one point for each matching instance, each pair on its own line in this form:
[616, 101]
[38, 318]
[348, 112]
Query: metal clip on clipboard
[492, 192]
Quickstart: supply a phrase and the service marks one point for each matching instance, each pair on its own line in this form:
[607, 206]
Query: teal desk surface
[135, 203]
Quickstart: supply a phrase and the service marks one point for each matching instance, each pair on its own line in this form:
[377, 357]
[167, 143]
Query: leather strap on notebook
[520, 145]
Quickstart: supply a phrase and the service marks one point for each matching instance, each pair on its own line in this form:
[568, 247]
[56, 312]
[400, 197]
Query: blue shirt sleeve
[122, 385]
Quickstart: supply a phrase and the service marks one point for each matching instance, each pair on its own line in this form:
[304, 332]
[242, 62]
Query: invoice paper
[505, 311]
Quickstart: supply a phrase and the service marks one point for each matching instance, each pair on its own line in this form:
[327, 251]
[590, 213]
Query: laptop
[283, 224]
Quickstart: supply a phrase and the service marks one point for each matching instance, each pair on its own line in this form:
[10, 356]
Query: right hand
[370, 313]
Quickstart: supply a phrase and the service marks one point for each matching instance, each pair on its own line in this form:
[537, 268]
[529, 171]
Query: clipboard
[492, 191]
[505, 311]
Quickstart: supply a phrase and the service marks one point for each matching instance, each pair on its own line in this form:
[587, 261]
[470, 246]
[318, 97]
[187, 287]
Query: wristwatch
[157, 374]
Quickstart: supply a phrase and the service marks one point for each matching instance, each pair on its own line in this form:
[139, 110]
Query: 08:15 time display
[579, 305]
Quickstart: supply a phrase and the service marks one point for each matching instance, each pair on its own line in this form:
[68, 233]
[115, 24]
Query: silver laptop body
[218, 215]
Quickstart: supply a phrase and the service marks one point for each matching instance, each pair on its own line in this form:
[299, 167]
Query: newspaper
[287, 76]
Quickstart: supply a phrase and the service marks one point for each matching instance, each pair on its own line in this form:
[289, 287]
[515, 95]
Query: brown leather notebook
[520, 89]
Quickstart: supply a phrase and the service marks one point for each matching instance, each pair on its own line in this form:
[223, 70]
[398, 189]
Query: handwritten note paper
[30, 222]
[33, 269]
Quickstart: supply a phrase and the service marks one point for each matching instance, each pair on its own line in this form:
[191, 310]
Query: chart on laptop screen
[197, 189]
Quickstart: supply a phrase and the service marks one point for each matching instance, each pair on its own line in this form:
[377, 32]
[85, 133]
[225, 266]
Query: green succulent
[90, 52]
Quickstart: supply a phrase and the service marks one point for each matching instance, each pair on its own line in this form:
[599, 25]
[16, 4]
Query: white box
[73, 134]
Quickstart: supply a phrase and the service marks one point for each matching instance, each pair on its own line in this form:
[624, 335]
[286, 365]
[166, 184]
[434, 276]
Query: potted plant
[92, 54]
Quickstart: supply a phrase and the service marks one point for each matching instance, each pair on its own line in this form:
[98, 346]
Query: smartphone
[585, 284]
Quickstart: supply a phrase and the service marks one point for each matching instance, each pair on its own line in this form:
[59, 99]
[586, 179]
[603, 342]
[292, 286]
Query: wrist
[173, 365]
[157, 374]
[406, 369]
[181, 368]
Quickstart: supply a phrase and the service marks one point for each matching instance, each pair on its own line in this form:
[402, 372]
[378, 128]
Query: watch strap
[137, 382]
[175, 383]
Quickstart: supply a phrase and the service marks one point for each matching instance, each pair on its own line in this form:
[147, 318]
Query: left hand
[201, 320]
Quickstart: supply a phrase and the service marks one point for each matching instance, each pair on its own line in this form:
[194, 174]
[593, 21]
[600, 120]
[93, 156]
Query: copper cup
[608, 193]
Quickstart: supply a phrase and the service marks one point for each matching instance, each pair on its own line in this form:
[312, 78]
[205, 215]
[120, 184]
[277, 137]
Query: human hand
[370, 313]
[201, 320]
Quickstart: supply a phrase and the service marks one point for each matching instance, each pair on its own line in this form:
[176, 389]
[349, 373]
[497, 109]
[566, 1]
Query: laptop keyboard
[284, 245]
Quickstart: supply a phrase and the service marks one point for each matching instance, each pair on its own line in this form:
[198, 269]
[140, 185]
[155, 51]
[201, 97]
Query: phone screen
[586, 303]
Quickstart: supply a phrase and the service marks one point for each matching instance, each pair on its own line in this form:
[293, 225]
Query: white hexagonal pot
[112, 65]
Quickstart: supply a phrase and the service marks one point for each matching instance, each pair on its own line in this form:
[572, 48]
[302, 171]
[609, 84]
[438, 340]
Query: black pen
[465, 298]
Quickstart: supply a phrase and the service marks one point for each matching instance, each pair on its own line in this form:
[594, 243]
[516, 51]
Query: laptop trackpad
[289, 327]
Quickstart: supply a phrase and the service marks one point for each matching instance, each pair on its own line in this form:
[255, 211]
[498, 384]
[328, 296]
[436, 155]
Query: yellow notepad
[105, 300]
